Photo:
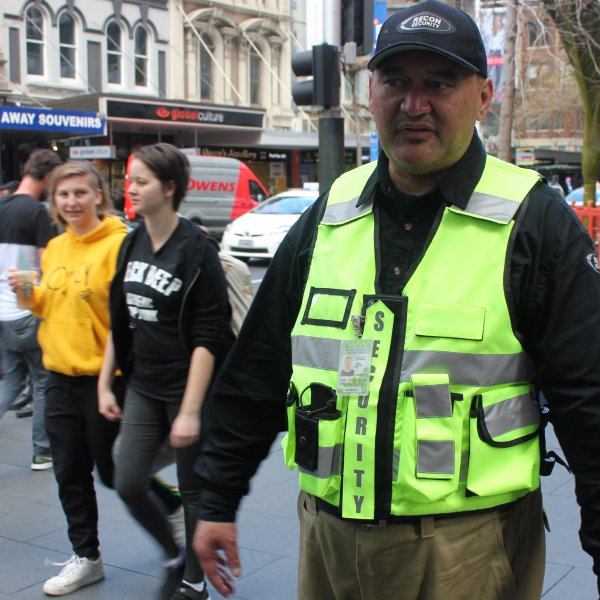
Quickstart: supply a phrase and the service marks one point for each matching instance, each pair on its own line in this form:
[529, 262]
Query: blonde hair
[75, 169]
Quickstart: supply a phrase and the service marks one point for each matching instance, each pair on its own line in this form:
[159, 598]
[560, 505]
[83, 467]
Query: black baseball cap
[434, 26]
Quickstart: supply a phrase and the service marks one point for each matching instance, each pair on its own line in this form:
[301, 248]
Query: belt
[408, 520]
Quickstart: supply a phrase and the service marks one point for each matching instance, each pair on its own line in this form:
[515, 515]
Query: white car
[258, 233]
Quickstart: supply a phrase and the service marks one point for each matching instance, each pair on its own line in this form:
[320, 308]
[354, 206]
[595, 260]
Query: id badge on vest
[354, 367]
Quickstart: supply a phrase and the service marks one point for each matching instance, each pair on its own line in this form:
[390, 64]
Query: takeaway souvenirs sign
[42, 119]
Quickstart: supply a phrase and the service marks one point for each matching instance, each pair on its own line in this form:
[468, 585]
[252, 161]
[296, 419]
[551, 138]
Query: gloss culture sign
[183, 114]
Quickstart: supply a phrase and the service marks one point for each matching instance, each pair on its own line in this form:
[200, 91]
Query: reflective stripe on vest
[482, 370]
[434, 426]
[329, 462]
[492, 207]
[346, 211]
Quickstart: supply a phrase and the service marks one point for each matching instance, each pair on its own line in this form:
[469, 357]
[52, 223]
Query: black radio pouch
[307, 440]
[307, 417]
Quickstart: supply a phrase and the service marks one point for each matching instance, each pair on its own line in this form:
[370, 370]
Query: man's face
[425, 107]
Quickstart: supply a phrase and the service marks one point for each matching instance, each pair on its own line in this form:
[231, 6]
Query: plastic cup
[25, 282]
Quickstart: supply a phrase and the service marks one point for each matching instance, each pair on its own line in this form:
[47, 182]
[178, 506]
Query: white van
[220, 190]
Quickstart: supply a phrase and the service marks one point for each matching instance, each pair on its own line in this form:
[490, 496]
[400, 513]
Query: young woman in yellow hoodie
[72, 301]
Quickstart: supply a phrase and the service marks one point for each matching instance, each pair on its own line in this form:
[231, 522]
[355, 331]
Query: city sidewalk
[32, 529]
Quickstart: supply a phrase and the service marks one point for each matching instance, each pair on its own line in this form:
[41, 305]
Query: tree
[578, 25]
[507, 108]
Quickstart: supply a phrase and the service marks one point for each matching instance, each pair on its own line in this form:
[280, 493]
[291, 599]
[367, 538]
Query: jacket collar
[456, 188]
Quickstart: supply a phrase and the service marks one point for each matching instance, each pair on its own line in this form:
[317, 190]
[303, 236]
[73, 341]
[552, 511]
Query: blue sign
[46, 119]
[380, 15]
[374, 152]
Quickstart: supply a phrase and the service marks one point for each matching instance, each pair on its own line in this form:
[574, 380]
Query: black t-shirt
[25, 227]
[25, 221]
[153, 286]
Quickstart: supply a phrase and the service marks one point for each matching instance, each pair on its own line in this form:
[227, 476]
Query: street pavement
[33, 530]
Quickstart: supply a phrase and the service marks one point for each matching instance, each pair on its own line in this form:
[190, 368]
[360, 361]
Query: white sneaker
[41, 462]
[77, 572]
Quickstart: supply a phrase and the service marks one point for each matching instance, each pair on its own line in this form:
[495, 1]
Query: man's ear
[487, 94]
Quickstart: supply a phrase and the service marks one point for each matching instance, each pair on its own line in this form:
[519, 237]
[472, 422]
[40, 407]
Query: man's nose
[415, 102]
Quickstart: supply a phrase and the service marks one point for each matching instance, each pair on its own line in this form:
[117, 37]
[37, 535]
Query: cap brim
[406, 46]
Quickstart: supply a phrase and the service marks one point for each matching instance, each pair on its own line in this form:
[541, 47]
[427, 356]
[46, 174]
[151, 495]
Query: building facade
[209, 75]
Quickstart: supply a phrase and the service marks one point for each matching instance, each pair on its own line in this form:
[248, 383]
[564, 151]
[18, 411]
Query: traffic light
[357, 24]
[321, 67]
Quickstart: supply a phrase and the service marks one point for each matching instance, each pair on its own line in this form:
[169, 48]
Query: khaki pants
[496, 555]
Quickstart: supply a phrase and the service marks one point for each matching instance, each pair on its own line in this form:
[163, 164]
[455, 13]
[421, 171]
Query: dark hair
[74, 169]
[40, 163]
[168, 164]
[9, 186]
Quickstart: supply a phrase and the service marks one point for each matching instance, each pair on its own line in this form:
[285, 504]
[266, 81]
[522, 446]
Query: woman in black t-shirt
[170, 329]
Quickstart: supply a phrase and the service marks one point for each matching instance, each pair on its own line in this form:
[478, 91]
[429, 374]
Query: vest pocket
[504, 451]
[430, 441]
[450, 321]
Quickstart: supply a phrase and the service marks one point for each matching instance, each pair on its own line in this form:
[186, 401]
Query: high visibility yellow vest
[450, 422]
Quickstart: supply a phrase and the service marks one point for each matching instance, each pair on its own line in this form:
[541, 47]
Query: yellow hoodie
[72, 298]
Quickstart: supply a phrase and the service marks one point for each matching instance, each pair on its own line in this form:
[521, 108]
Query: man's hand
[216, 547]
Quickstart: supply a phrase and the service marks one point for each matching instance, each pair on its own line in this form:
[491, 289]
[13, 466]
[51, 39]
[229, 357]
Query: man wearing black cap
[462, 286]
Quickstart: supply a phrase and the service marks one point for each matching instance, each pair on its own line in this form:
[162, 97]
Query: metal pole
[331, 150]
[332, 22]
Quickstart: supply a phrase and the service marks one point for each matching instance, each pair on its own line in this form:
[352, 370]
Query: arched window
[206, 70]
[34, 35]
[254, 77]
[114, 53]
[66, 38]
[141, 57]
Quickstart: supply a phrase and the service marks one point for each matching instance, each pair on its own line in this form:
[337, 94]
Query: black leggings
[79, 438]
[145, 425]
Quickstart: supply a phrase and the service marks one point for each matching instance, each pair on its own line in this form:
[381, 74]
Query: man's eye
[438, 85]
[394, 82]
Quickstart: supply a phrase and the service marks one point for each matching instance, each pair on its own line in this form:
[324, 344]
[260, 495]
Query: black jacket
[553, 292]
[201, 254]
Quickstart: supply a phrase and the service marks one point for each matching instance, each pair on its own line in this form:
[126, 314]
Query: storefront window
[34, 33]
[206, 72]
[114, 54]
[66, 33]
[141, 57]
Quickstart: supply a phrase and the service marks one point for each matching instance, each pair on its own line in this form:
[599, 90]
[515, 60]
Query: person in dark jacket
[170, 330]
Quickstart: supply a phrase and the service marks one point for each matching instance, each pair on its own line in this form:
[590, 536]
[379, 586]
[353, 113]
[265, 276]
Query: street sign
[92, 152]
[374, 151]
